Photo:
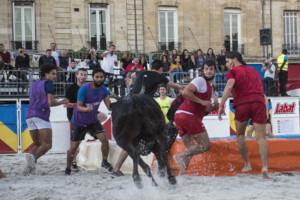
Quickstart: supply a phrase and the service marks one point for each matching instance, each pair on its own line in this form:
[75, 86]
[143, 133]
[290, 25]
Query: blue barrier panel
[8, 127]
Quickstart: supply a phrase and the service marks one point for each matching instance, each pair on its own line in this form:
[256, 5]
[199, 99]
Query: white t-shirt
[268, 74]
[70, 69]
[109, 63]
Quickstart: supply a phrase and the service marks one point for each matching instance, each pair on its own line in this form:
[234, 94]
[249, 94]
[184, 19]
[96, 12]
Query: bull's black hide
[139, 128]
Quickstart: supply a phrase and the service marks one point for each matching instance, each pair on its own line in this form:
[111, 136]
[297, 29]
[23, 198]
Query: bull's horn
[113, 95]
[143, 85]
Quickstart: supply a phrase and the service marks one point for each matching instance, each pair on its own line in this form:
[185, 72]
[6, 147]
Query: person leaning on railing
[22, 64]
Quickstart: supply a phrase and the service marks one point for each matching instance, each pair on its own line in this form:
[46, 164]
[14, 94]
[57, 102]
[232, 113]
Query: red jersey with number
[248, 85]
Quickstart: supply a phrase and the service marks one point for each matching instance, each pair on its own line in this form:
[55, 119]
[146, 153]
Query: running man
[164, 101]
[71, 94]
[37, 116]
[246, 87]
[188, 118]
[85, 118]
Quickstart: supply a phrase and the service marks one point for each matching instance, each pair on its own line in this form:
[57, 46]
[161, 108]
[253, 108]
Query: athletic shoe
[68, 171]
[74, 167]
[30, 162]
[118, 173]
[106, 166]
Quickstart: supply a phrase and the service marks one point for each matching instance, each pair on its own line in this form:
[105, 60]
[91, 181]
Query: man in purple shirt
[85, 119]
[38, 113]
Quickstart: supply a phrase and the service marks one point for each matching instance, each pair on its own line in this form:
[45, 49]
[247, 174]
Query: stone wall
[203, 19]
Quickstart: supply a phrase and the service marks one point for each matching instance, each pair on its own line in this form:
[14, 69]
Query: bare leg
[122, 157]
[250, 131]
[76, 153]
[46, 137]
[260, 130]
[2, 175]
[35, 136]
[104, 144]
[203, 144]
[243, 147]
[71, 152]
[269, 132]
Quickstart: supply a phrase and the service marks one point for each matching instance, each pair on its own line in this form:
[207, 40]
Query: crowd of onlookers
[176, 63]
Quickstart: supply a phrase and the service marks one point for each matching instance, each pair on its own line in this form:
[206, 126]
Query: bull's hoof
[138, 184]
[154, 183]
[162, 173]
[172, 180]
[138, 181]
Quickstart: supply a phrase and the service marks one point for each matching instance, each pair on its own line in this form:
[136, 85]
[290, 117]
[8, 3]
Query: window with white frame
[168, 28]
[99, 26]
[291, 32]
[232, 30]
[24, 25]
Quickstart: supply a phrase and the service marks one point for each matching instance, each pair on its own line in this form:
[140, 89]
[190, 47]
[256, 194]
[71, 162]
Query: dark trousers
[283, 77]
[266, 82]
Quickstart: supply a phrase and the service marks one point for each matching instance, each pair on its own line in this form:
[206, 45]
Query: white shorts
[37, 123]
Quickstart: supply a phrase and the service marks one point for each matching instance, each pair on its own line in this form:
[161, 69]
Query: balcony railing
[293, 49]
[235, 47]
[99, 45]
[27, 45]
[169, 46]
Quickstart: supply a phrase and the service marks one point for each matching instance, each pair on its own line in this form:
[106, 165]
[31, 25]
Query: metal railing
[28, 45]
[169, 46]
[18, 82]
[293, 49]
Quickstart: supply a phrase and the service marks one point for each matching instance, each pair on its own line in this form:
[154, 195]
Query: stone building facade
[160, 24]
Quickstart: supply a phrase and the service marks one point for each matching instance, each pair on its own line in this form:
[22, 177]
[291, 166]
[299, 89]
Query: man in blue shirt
[85, 118]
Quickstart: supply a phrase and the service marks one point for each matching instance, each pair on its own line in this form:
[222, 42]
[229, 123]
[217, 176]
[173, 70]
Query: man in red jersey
[246, 87]
[188, 118]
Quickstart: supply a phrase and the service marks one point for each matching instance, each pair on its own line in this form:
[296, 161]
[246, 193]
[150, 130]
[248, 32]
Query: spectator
[269, 69]
[133, 67]
[72, 70]
[174, 55]
[3, 72]
[199, 60]
[177, 68]
[22, 64]
[221, 60]
[192, 67]
[110, 60]
[163, 100]
[93, 57]
[54, 52]
[64, 62]
[47, 58]
[165, 53]
[282, 62]
[166, 63]
[143, 61]
[210, 56]
[184, 60]
[125, 61]
[6, 59]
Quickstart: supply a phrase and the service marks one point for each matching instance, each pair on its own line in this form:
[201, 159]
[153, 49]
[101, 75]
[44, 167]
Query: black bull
[139, 128]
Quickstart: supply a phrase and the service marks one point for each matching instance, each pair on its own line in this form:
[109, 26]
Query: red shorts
[256, 111]
[188, 124]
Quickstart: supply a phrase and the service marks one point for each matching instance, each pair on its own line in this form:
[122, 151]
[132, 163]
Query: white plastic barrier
[215, 127]
[90, 157]
[60, 130]
[285, 112]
